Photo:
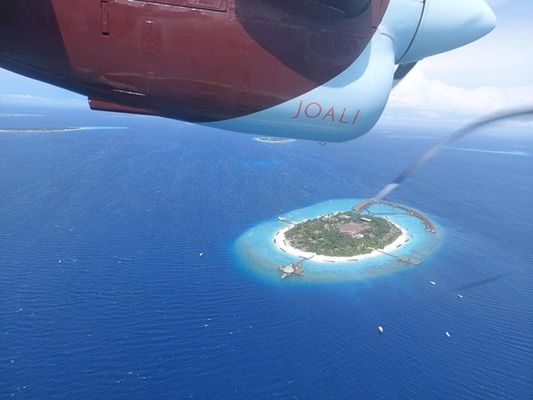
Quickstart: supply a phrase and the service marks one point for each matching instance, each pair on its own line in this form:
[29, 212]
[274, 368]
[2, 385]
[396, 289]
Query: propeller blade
[435, 150]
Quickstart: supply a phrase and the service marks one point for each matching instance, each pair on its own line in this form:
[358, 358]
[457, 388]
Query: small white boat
[447, 334]
[380, 329]
[433, 283]
[460, 296]
[201, 254]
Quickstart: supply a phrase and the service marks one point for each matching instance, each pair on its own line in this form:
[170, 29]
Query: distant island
[269, 139]
[65, 129]
[344, 234]
[40, 130]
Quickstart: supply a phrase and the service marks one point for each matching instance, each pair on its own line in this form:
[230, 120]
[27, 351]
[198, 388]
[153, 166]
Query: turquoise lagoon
[255, 249]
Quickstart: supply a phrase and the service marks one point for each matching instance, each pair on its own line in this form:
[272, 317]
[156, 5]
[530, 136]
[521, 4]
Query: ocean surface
[119, 280]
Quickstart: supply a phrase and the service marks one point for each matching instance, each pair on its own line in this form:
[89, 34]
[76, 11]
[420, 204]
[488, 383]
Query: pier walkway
[404, 259]
[430, 226]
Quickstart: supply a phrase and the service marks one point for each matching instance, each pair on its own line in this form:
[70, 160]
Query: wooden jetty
[430, 226]
[404, 259]
[295, 268]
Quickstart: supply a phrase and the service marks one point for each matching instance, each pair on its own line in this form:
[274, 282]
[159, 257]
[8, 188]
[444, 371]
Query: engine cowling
[344, 108]
[350, 104]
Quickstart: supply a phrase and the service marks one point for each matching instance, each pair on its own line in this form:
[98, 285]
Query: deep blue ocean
[104, 294]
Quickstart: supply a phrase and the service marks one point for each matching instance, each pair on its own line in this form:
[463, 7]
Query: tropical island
[337, 240]
[344, 234]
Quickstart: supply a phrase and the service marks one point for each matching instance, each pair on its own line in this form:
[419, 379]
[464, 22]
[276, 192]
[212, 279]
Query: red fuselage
[195, 60]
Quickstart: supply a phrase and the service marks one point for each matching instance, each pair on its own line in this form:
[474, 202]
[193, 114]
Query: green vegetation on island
[345, 234]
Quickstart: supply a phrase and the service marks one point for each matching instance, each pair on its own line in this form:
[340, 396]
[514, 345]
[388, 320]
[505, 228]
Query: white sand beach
[283, 244]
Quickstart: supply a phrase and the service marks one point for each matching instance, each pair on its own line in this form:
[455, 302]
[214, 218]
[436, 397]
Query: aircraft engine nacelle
[307, 69]
[350, 104]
